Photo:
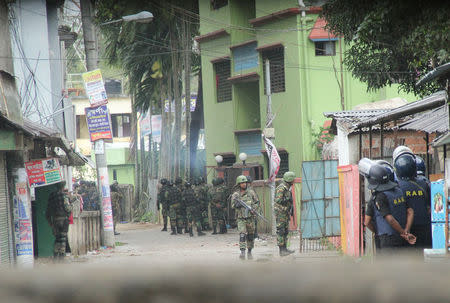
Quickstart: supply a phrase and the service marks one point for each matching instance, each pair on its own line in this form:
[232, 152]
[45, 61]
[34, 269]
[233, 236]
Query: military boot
[223, 229]
[165, 228]
[174, 231]
[242, 255]
[249, 254]
[190, 232]
[284, 251]
[214, 230]
[179, 230]
[200, 233]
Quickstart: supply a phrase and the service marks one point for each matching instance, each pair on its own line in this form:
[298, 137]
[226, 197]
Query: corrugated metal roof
[435, 100]
[434, 121]
[435, 73]
[355, 114]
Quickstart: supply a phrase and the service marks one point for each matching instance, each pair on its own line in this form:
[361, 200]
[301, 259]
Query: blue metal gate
[320, 200]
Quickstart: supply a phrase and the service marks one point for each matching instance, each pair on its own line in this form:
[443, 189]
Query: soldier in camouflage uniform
[203, 195]
[163, 202]
[116, 198]
[57, 214]
[174, 197]
[219, 205]
[245, 218]
[192, 209]
[181, 211]
[283, 210]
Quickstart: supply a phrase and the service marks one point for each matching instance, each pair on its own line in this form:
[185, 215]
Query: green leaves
[392, 41]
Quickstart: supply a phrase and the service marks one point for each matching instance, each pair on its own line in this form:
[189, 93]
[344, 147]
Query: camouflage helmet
[214, 182]
[241, 179]
[178, 180]
[289, 177]
[220, 181]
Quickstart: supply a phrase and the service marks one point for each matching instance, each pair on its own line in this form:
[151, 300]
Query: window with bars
[284, 164]
[276, 62]
[223, 86]
[325, 48]
[216, 4]
[121, 125]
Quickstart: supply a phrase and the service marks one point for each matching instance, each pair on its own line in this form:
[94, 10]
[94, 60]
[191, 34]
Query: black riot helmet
[187, 184]
[379, 178]
[389, 168]
[249, 179]
[420, 165]
[406, 167]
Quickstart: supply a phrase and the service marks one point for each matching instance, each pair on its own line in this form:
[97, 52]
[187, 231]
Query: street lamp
[219, 160]
[243, 157]
[142, 17]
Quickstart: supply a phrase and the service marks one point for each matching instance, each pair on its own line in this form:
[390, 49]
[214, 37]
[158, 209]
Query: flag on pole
[274, 159]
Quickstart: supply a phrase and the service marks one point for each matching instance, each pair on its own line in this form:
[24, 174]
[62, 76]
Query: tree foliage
[392, 41]
[137, 46]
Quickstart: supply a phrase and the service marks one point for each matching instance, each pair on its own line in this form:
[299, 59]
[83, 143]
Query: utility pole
[269, 118]
[90, 45]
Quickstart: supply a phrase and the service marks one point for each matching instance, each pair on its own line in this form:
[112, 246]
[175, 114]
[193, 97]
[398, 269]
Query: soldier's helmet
[420, 166]
[241, 179]
[178, 181]
[289, 177]
[187, 184]
[400, 150]
[406, 167]
[201, 180]
[249, 179]
[220, 181]
[163, 181]
[379, 178]
[389, 168]
[214, 182]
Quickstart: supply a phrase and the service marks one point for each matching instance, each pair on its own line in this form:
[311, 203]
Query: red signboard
[43, 172]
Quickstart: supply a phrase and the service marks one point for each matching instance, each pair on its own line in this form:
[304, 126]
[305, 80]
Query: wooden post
[381, 142]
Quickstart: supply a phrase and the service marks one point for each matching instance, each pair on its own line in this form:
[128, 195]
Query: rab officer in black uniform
[417, 195]
[389, 211]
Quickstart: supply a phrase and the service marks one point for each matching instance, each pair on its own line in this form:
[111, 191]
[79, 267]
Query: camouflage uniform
[163, 202]
[219, 206]
[203, 195]
[116, 198]
[57, 214]
[174, 197]
[283, 204]
[181, 212]
[245, 219]
[192, 210]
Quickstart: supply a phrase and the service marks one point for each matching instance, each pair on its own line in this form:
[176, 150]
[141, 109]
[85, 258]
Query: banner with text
[156, 128]
[145, 125]
[95, 88]
[98, 122]
[43, 172]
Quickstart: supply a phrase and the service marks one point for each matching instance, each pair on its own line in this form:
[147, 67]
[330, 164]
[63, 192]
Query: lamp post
[243, 157]
[219, 169]
[90, 37]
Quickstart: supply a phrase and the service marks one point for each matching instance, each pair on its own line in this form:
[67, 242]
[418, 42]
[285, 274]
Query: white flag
[274, 159]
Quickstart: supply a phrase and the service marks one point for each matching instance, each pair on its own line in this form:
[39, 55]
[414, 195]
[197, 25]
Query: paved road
[145, 243]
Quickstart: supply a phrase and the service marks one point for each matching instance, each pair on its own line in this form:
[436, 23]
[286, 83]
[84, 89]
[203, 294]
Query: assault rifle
[247, 207]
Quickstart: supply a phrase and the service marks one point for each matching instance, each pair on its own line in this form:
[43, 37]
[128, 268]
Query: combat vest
[62, 207]
[416, 194]
[397, 206]
[189, 197]
[219, 193]
[242, 212]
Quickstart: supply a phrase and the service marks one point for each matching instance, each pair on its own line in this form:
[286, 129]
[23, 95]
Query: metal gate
[320, 217]
[5, 223]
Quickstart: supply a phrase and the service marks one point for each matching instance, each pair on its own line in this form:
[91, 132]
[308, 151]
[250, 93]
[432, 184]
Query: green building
[236, 37]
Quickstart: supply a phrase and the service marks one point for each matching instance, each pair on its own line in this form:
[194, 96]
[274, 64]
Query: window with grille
[223, 86]
[325, 48]
[121, 125]
[284, 164]
[216, 4]
[276, 62]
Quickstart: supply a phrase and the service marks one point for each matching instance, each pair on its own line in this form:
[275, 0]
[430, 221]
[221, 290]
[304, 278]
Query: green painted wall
[310, 81]
[7, 140]
[45, 238]
[125, 173]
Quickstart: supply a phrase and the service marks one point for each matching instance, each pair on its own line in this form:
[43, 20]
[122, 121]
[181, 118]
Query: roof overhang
[212, 35]
[250, 77]
[320, 33]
